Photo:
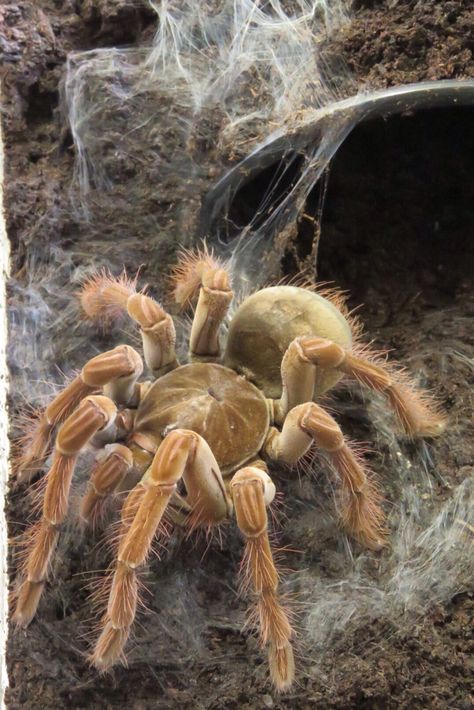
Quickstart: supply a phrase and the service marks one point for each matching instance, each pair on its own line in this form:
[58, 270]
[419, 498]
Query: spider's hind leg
[252, 491]
[416, 411]
[360, 509]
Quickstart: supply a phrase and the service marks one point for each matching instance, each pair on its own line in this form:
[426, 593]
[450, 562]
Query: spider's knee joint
[145, 311]
[252, 490]
[322, 428]
[321, 351]
[121, 362]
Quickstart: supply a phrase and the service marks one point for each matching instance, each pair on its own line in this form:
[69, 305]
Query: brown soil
[396, 229]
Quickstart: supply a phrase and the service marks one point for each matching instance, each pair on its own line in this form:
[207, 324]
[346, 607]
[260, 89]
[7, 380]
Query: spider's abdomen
[266, 323]
[227, 411]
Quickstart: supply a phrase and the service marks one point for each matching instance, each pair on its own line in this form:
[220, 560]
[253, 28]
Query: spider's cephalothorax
[229, 412]
[197, 440]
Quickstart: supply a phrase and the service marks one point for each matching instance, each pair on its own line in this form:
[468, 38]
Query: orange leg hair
[109, 472]
[252, 490]
[361, 514]
[105, 297]
[200, 272]
[182, 454]
[416, 412]
[116, 371]
[94, 413]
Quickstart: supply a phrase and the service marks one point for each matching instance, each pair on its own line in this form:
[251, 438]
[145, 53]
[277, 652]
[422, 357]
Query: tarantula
[196, 441]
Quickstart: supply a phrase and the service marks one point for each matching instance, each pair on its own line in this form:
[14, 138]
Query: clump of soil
[395, 233]
[406, 41]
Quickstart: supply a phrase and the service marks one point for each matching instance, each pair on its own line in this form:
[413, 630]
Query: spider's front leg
[415, 410]
[182, 454]
[115, 372]
[361, 514]
[252, 491]
[95, 413]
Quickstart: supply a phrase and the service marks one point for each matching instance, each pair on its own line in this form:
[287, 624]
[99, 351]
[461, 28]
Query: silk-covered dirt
[397, 226]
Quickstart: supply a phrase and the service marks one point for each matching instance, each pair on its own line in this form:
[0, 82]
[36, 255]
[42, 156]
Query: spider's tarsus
[28, 598]
[282, 666]
[109, 648]
[104, 297]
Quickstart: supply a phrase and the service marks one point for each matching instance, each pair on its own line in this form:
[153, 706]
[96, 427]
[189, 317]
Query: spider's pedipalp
[104, 298]
[200, 272]
[252, 490]
[93, 414]
[361, 513]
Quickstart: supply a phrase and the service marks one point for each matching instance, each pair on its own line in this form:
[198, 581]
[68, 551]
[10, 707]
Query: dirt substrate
[397, 229]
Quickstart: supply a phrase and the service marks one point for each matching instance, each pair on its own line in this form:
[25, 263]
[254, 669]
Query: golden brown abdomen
[266, 323]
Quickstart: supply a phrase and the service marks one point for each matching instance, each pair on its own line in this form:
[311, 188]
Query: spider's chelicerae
[196, 441]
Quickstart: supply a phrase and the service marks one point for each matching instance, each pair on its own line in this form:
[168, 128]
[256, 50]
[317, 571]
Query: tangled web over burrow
[153, 127]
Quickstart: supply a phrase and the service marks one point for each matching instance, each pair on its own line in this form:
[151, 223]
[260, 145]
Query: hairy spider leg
[416, 411]
[252, 491]
[94, 413]
[113, 464]
[115, 372]
[361, 513]
[182, 454]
